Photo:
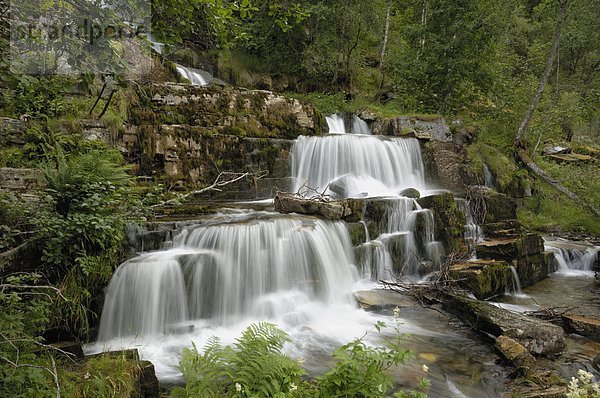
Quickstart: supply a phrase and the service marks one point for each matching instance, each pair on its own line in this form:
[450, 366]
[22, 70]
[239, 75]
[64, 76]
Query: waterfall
[339, 123]
[571, 257]
[406, 243]
[488, 178]
[228, 272]
[516, 282]
[193, 75]
[473, 232]
[362, 165]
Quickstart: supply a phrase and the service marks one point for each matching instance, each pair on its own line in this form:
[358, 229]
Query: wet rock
[411, 193]
[448, 219]
[506, 229]
[484, 278]
[515, 354]
[148, 382]
[500, 249]
[582, 325]
[330, 210]
[380, 298]
[539, 337]
[498, 207]
[357, 232]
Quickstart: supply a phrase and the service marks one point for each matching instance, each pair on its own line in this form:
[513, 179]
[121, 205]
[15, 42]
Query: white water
[337, 125]
[368, 165]
[488, 177]
[473, 232]
[572, 258]
[516, 283]
[194, 76]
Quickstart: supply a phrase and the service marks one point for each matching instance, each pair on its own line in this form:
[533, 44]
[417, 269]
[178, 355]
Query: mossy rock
[483, 278]
[449, 221]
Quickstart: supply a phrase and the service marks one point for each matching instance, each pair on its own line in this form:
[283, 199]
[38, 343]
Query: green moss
[501, 166]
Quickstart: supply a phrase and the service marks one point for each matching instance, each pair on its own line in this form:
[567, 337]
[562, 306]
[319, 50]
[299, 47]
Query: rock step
[483, 278]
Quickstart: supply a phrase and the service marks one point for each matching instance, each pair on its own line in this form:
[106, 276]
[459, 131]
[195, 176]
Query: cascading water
[473, 231]
[194, 76]
[229, 272]
[571, 257]
[338, 123]
[362, 165]
[488, 178]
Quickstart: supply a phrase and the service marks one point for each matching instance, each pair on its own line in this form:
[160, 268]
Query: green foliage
[24, 361]
[256, 367]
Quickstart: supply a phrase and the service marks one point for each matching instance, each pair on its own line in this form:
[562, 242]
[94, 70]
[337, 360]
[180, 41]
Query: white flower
[396, 312]
[293, 387]
[238, 387]
[380, 387]
[425, 368]
[86, 375]
[301, 361]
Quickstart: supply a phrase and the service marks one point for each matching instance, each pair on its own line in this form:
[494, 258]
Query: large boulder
[330, 210]
[428, 127]
[539, 337]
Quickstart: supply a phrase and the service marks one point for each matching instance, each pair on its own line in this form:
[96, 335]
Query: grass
[102, 376]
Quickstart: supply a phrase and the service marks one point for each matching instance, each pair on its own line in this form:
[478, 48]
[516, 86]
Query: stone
[147, 381]
[499, 249]
[515, 353]
[583, 325]
[449, 221]
[357, 232]
[447, 165]
[555, 150]
[381, 298]
[484, 278]
[539, 337]
[329, 210]
[428, 127]
[21, 180]
[411, 193]
[12, 132]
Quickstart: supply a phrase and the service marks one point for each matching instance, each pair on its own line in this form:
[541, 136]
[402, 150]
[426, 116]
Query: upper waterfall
[363, 165]
[339, 123]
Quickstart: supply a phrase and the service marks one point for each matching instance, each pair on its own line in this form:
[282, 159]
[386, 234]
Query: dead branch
[305, 190]
[223, 179]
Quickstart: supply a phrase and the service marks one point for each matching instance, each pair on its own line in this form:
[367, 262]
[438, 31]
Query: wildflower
[380, 387]
[87, 375]
[238, 387]
[396, 312]
[425, 368]
[301, 361]
[293, 387]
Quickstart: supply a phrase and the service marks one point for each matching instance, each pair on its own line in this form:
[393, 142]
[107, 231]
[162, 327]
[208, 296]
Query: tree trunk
[385, 42]
[521, 133]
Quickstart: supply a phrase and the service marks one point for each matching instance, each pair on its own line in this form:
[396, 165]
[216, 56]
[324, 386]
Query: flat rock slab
[585, 326]
[330, 210]
[539, 337]
[380, 298]
[515, 353]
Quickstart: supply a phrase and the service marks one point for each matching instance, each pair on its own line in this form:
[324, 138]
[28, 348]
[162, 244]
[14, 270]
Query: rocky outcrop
[447, 165]
[380, 298]
[20, 180]
[227, 110]
[484, 278]
[449, 221]
[583, 325]
[347, 209]
[539, 337]
[426, 127]
[12, 132]
[192, 156]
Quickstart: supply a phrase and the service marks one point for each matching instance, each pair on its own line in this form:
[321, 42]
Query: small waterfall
[364, 165]
[473, 232]
[193, 75]
[339, 123]
[406, 243]
[572, 257]
[336, 124]
[226, 273]
[488, 178]
[515, 283]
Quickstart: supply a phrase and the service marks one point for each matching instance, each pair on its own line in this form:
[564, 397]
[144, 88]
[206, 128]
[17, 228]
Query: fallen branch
[223, 179]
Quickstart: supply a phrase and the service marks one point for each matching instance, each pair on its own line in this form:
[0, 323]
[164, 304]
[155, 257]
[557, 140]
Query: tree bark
[521, 142]
[386, 34]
